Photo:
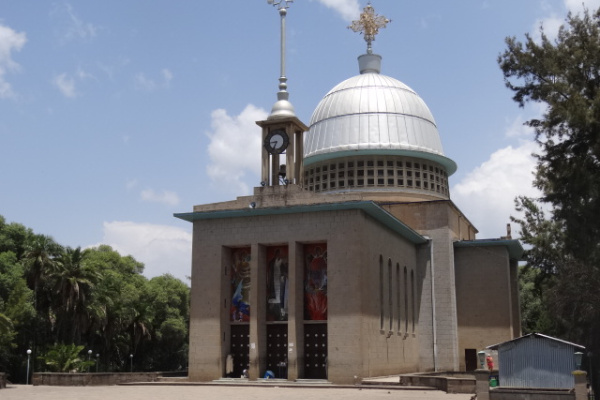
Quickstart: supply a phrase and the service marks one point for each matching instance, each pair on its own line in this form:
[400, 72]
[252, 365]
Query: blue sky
[114, 115]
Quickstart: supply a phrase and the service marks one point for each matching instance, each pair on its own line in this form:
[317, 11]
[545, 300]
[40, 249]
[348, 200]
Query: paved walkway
[207, 392]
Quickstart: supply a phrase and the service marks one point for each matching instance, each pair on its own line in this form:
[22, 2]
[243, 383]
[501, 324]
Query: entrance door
[277, 341]
[315, 351]
[240, 348]
[470, 359]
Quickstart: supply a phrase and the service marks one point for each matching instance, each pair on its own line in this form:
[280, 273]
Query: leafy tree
[73, 281]
[66, 358]
[5, 324]
[58, 301]
[39, 257]
[13, 237]
[169, 298]
[563, 75]
[535, 314]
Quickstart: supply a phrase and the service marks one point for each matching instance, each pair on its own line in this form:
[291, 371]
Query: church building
[350, 260]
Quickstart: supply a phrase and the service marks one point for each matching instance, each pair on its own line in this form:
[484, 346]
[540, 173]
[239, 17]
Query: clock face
[276, 141]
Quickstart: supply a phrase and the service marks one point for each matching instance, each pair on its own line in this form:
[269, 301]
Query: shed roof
[539, 335]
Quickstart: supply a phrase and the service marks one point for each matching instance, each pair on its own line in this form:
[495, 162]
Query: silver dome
[373, 114]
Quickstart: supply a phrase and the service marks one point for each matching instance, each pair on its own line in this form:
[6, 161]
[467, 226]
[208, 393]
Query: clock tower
[282, 131]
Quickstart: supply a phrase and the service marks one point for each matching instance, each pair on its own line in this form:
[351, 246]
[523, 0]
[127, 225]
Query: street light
[89, 359]
[97, 361]
[131, 363]
[28, 357]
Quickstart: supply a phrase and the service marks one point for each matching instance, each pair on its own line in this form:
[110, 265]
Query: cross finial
[369, 24]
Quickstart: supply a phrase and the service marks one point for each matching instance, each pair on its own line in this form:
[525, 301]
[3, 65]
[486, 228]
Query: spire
[282, 107]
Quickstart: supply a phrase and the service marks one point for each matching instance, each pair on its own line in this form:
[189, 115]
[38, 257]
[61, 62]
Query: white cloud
[162, 248]
[486, 194]
[131, 184]
[168, 77]
[556, 18]
[65, 84]
[165, 197]
[577, 6]
[146, 84]
[83, 75]
[235, 149]
[9, 41]
[348, 9]
[71, 25]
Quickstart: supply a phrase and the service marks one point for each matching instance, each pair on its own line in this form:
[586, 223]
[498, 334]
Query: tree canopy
[563, 74]
[62, 302]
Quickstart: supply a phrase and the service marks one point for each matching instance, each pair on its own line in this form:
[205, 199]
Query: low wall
[447, 382]
[484, 392]
[92, 378]
[501, 393]
[2, 380]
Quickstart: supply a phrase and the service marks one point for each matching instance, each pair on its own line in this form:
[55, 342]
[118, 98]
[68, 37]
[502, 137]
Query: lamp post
[97, 361]
[28, 357]
[89, 359]
[131, 363]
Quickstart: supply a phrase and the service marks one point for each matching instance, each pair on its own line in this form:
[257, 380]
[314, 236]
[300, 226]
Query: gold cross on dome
[369, 24]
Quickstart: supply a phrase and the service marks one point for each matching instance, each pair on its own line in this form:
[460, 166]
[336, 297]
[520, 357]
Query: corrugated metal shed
[536, 361]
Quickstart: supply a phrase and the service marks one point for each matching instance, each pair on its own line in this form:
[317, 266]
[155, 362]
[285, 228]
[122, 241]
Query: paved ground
[205, 392]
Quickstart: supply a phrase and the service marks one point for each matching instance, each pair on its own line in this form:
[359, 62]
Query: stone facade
[400, 287]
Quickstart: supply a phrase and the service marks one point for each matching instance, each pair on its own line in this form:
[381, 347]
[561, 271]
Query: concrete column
[482, 384]
[580, 385]
[295, 311]
[258, 312]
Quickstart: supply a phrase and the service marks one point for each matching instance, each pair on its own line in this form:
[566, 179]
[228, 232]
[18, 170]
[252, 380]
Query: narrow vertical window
[380, 292]
[413, 302]
[390, 298]
[405, 300]
[398, 293]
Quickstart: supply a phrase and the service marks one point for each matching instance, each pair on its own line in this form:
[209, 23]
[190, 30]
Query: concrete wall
[392, 341]
[356, 344]
[524, 394]
[484, 297]
[91, 379]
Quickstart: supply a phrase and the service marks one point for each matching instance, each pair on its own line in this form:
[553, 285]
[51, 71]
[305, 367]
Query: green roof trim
[446, 162]
[369, 207]
[515, 250]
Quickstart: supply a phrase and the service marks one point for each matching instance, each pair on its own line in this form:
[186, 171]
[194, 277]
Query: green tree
[66, 358]
[5, 324]
[170, 299]
[13, 237]
[73, 281]
[563, 75]
[39, 257]
[116, 305]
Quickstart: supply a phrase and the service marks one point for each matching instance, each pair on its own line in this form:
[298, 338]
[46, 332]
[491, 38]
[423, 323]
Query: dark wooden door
[277, 342]
[240, 348]
[315, 351]
[470, 359]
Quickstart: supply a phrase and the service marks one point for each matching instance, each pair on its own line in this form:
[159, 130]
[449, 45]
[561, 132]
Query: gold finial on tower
[369, 24]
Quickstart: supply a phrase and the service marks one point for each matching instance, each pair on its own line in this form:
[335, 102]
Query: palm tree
[39, 257]
[73, 281]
